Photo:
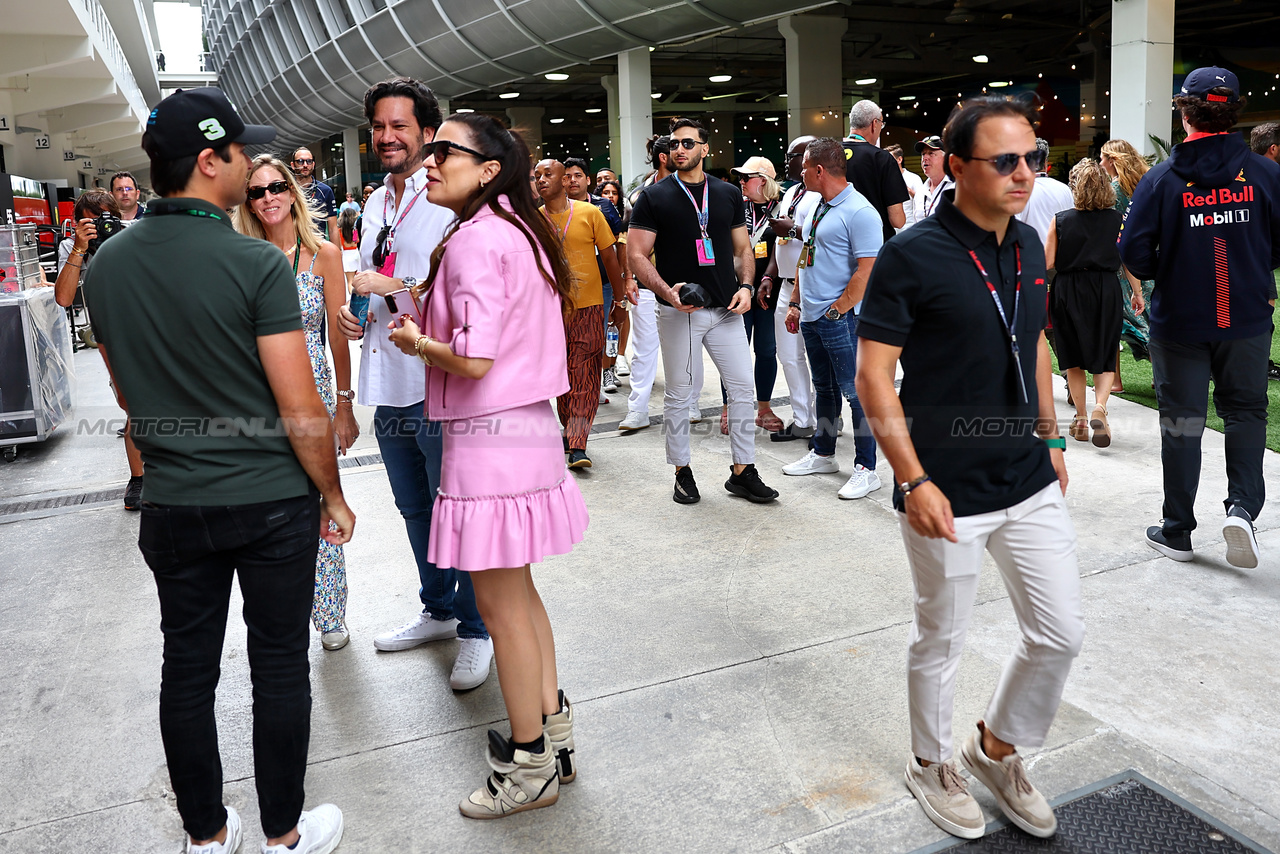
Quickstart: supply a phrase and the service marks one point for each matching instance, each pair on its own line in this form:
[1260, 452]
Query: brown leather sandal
[1080, 428]
[1101, 429]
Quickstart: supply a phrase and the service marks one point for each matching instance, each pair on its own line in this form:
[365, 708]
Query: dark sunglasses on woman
[275, 188]
[440, 148]
[1006, 163]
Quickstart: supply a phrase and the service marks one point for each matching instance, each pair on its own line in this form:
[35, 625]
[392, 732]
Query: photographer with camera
[97, 218]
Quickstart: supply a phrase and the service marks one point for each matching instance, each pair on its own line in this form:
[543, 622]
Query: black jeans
[1182, 373]
[193, 552]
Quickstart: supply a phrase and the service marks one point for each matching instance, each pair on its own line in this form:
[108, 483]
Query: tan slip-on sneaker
[944, 796]
[1020, 801]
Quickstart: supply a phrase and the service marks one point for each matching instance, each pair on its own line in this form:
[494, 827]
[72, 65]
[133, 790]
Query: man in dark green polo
[206, 347]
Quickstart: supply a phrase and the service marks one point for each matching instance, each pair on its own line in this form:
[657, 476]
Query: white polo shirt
[387, 376]
[1048, 197]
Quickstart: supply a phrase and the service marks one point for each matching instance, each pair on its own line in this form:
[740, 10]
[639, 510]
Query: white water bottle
[611, 341]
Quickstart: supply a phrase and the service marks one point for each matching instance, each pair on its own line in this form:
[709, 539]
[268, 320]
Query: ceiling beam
[20, 55]
[82, 116]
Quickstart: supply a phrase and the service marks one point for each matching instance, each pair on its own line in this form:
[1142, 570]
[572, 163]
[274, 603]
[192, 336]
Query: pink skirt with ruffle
[506, 498]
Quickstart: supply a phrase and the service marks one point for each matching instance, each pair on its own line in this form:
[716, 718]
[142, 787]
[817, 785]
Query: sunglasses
[380, 247]
[440, 148]
[304, 161]
[686, 143]
[275, 188]
[1006, 163]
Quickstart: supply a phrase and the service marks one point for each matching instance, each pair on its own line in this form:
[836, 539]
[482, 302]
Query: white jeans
[644, 339]
[791, 356]
[1034, 545]
[683, 336]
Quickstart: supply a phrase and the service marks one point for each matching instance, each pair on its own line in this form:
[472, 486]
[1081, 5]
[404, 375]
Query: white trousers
[1034, 545]
[791, 356]
[644, 341]
[683, 336]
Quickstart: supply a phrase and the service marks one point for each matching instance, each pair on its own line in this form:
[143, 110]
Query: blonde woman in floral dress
[276, 210]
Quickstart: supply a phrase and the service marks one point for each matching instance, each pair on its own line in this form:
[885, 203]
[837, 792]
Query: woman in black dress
[1086, 307]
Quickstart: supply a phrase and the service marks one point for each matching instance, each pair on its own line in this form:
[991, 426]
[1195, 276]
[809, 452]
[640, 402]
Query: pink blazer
[490, 301]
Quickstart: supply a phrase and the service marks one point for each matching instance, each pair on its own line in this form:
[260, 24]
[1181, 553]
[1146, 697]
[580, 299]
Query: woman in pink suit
[492, 337]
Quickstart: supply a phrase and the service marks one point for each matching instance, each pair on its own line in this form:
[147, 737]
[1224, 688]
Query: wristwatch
[345, 394]
[832, 313]
[409, 282]
[794, 304]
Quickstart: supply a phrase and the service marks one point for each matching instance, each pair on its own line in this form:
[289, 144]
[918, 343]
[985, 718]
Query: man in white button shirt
[938, 182]
[401, 230]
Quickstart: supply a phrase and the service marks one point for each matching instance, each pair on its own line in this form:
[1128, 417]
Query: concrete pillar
[635, 114]
[445, 109]
[1141, 70]
[613, 112]
[814, 78]
[351, 161]
[529, 120]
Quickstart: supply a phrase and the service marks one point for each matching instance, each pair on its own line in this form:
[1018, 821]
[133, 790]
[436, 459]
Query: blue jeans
[412, 449]
[832, 349]
[194, 552]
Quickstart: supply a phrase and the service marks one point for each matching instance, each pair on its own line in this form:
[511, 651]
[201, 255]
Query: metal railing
[95, 21]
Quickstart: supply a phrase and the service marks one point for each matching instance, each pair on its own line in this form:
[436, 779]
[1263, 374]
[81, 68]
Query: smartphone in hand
[403, 302]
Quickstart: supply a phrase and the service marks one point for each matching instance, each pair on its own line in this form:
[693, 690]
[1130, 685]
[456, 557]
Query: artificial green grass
[1137, 388]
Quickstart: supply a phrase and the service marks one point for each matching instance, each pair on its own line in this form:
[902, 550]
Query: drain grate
[1126, 814]
[42, 504]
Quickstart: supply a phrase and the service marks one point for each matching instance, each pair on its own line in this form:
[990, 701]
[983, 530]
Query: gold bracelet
[418, 345]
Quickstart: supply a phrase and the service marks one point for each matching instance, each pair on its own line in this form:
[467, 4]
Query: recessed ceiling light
[656, 95]
[865, 81]
[720, 78]
[507, 96]
[555, 121]
[982, 57]
[592, 110]
[556, 76]
[771, 118]
[906, 97]
[1000, 84]
[464, 110]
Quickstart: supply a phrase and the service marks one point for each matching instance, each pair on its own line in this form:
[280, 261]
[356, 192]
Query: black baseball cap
[191, 120]
[1199, 83]
[934, 142]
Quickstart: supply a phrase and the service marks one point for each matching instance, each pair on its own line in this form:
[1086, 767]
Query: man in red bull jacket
[1205, 225]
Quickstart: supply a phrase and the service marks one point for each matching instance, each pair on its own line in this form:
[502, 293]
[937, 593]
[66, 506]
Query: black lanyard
[297, 256]
[806, 258]
[1010, 329]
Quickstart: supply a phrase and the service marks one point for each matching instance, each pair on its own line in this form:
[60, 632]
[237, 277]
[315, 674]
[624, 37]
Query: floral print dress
[329, 608]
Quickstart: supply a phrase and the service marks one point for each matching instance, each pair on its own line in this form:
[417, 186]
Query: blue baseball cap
[1200, 82]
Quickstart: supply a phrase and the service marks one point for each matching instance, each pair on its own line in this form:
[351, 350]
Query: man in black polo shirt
[211, 365]
[871, 170]
[698, 226]
[960, 299]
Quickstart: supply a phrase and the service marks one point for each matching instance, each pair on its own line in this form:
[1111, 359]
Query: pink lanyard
[564, 235]
[1010, 330]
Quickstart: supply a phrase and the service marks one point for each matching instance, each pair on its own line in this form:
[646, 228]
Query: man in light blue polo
[842, 237]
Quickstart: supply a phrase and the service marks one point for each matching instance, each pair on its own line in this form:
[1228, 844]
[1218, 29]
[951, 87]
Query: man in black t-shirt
[319, 196]
[974, 445]
[697, 225]
[872, 171]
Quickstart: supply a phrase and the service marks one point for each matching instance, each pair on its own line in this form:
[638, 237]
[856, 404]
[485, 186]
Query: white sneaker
[320, 832]
[635, 420]
[604, 398]
[695, 414]
[231, 846]
[421, 629]
[622, 367]
[471, 667]
[861, 483]
[812, 463]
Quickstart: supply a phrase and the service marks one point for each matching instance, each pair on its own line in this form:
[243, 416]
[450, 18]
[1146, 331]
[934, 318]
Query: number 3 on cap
[212, 129]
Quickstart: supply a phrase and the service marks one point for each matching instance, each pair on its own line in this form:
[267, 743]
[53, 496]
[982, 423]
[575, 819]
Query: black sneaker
[579, 459]
[1273, 370]
[1241, 538]
[748, 485]
[133, 494]
[1175, 546]
[686, 491]
[791, 432]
